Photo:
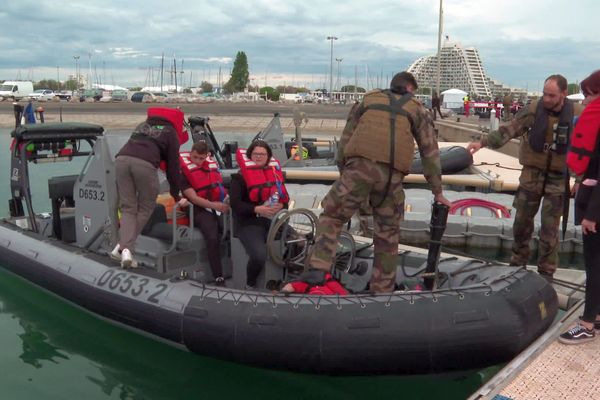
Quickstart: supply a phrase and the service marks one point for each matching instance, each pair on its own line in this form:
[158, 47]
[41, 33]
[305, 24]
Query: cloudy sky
[520, 41]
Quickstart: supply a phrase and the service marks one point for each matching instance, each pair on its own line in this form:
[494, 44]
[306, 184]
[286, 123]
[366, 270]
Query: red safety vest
[584, 138]
[330, 287]
[206, 179]
[262, 182]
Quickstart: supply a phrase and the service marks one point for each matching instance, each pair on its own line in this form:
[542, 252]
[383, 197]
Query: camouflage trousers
[362, 179]
[531, 193]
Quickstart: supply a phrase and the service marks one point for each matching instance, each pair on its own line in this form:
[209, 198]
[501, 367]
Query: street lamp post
[331, 38]
[338, 83]
[76, 58]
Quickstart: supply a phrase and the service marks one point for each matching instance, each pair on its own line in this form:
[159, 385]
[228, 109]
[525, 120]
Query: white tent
[453, 98]
[576, 97]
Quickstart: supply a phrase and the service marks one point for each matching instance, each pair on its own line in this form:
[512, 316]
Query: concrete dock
[548, 369]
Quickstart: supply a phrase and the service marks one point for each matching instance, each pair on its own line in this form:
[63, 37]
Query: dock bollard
[493, 120]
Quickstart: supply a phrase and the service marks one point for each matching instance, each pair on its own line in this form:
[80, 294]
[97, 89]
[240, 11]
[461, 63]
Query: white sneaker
[126, 259]
[115, 254]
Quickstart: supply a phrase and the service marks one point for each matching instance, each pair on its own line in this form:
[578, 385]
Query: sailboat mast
[439, 52]
[162, 67]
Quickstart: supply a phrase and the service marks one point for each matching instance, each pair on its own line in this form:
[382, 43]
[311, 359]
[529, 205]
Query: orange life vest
[262, 182]
[206, 179]
[584, 138]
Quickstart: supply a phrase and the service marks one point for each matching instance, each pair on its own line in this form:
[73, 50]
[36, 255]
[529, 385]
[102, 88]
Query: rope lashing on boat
[496, 165]
[463, 205]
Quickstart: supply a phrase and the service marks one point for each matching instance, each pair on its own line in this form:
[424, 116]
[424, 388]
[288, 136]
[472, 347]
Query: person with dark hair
[435, 105]
[584, 158]
[155, 140]
[203, 187]
[257, 193]
[374, 155]
[544, 128]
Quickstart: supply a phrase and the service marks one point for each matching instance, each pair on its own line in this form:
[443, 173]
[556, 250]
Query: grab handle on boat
[175, 226]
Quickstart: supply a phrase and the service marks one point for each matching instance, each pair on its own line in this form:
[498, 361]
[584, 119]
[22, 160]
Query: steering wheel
[290, 235]
[344, 256]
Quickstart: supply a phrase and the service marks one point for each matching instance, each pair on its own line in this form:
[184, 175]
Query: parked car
[64, 94]
[42, 94]
[142, 97]
[119, 95]
[95, 94]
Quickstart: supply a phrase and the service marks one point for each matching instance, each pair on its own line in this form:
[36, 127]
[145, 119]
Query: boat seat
[157, 226]
[269, 274]
[60, 192]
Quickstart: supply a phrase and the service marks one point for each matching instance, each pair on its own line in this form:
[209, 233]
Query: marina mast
[439, 53]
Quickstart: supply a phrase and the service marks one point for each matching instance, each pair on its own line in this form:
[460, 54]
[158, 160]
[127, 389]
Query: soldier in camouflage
[543, 128]
[375, 153]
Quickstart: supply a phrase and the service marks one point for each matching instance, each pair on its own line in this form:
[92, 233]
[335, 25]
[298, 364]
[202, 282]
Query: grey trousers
[137, 184]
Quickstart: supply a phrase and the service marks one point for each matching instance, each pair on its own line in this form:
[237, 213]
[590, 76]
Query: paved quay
[324, 119]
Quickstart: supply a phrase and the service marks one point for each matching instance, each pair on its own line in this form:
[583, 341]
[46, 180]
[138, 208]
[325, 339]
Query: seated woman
[257, 194]
[203, 187]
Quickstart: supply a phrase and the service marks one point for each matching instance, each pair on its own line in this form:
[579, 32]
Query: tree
[239, 74]
[350, 89]
[46, 84]
[71, 84]
[206, 87]
[271, 94]
[573, 88]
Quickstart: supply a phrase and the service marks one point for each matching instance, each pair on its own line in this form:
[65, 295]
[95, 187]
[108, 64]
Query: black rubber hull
[398, 337]
[402, 334]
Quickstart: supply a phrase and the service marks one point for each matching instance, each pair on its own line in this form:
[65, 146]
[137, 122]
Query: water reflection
[36, 347]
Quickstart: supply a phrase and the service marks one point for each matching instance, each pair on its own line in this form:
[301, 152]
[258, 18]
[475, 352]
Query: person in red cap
[155, 140]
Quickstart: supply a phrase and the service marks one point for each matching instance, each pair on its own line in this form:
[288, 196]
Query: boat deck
[549, 369]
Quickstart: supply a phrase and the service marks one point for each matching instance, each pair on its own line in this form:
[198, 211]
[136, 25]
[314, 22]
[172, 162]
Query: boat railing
[181, 233]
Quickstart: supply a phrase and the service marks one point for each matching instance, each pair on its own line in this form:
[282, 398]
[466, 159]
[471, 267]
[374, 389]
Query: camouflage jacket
[425, 139]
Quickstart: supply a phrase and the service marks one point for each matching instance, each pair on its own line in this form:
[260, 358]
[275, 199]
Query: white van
[15, 90]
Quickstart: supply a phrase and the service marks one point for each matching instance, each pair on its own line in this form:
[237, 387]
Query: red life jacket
[584, 138]
[330, 287]
[262, 182]
[206, 179]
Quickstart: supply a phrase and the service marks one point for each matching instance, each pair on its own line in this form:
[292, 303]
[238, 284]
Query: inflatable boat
[476, 314]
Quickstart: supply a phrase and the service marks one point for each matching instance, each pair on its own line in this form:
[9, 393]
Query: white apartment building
[461, 68]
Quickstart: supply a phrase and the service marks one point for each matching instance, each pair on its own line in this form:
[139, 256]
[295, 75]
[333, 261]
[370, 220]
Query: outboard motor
[229, 150]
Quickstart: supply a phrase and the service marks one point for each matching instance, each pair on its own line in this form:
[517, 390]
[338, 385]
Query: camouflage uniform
[536, 185]
[363, 179]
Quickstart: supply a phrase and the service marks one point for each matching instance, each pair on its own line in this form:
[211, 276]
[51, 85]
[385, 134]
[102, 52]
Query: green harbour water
[50, 349]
